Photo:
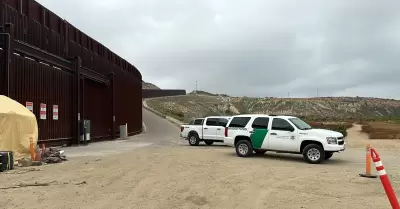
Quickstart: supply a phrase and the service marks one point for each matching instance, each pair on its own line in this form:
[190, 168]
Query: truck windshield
[300, 124]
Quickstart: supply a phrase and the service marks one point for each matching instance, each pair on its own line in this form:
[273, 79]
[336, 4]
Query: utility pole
[288, 95]
[317, 92]
[196, 86]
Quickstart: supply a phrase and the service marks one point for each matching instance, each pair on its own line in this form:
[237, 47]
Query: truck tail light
[182, 128]
[226, 132]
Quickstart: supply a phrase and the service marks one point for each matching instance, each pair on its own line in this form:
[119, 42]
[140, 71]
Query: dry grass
[382, 130]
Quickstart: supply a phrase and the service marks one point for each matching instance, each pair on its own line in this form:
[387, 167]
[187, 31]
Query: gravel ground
[201, 177]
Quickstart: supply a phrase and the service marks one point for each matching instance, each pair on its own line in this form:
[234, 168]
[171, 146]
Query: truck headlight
[331, 140]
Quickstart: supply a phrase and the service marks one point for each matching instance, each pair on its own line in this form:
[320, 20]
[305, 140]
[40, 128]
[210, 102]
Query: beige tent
[17, 126]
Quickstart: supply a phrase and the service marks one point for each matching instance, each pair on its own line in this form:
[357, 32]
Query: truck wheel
[209, 142]
[244, 148]
[193, 140]
[328, 155]
[260, 152]
[313, 153]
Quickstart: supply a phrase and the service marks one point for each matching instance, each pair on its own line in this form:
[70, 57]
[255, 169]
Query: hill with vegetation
[202, 104]
[379, 118]
[146, 85]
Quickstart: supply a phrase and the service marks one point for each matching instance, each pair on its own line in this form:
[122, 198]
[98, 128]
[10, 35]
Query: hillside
[146, 85]
[204, 104]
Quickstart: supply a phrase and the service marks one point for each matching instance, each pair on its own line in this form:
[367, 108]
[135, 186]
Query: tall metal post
[9, 38]
[82, 96]
[111, 78]
[76, 100]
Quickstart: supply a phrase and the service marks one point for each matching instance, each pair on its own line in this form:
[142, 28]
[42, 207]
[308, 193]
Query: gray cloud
[253, 48]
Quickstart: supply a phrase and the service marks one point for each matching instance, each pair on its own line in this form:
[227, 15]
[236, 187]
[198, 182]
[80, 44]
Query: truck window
[300, 124]
[239, 122]
[280, 124]
[260, 123]
[198, 122]
[212, 122]
[222, 122]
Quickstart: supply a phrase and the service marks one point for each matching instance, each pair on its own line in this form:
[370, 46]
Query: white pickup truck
[283, 134]
[209, 130]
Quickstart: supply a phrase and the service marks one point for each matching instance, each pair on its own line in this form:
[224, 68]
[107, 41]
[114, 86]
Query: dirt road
[178, 176]
[358, 139]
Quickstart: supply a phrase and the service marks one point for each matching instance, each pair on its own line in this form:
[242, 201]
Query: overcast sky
[253, 47]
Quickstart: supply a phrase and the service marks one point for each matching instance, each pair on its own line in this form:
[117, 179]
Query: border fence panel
[57, 64]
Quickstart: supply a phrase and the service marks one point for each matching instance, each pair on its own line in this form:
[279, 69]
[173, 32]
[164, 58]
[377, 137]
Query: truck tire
[209, 142]
[314, 154]
[244, 148]
[328, 155]
[194, 139]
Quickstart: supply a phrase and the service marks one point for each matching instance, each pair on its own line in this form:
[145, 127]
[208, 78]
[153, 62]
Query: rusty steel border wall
[151, 93]
[46, 60]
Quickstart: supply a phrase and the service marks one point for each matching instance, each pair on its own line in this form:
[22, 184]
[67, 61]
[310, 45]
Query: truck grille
[340, 140]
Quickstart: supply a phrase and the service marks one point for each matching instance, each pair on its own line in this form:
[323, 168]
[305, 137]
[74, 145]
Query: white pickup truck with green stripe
[283, 134]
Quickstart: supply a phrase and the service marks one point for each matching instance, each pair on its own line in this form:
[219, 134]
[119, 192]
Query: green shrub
[342, 129]
[228, 112]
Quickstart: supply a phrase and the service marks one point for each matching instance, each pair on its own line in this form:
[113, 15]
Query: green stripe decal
[257, 137]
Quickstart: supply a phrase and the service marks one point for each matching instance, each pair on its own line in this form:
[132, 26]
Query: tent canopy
[17, 126]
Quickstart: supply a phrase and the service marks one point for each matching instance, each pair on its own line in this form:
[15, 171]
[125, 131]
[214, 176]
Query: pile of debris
[53, 155]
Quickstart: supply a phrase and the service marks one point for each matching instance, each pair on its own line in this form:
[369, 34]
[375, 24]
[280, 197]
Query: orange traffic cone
[38, 156]
[367, 173]
[31, 149]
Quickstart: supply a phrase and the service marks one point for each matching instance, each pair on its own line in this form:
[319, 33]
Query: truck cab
[209, 130]
[284, 134]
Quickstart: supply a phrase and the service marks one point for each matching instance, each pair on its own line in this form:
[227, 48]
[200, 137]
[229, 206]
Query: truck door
[196, 126]
[259, 135]
[210, 129]
[283, 136]
[222, 122]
